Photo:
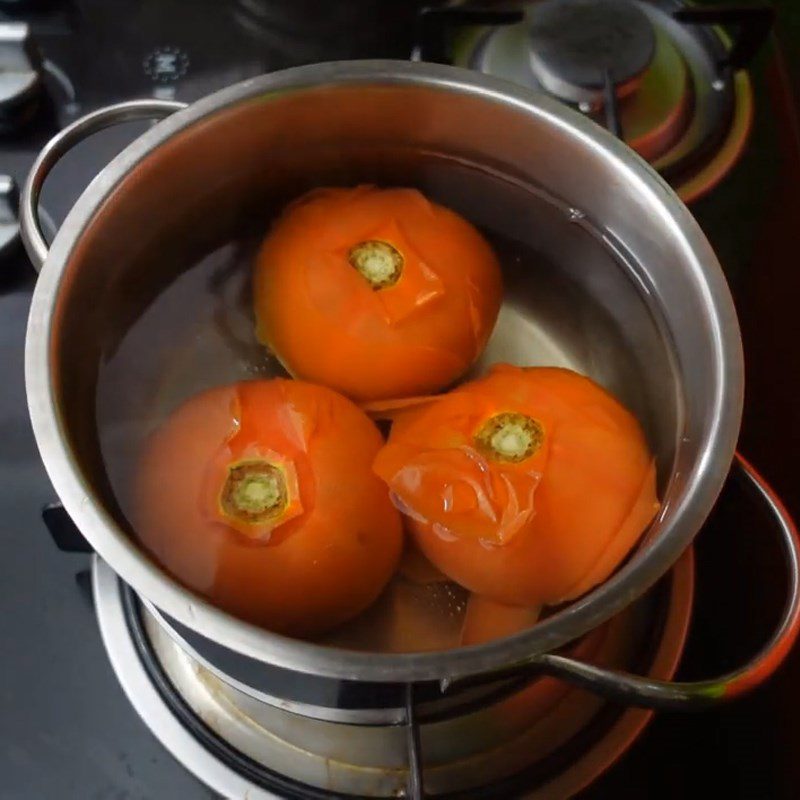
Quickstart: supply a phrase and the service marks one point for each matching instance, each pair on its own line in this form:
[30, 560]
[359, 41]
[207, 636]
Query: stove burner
[662, 77]
[578, 46]
[555, 740]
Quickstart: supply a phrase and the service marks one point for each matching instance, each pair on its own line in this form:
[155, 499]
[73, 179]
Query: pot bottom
[547, 741]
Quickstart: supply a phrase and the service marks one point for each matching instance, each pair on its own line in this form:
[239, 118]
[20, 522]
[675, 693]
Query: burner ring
[679, 115]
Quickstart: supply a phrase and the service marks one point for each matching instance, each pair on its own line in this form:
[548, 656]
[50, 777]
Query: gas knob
[9, 207]
[9, 233]
[20, 75]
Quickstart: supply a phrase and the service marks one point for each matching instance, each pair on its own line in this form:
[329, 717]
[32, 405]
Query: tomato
[375, 292]
[486, 620]
[261, 497]
[407, 618]
[528, 486]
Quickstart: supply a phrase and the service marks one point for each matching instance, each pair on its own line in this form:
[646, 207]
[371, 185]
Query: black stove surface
[66, 729]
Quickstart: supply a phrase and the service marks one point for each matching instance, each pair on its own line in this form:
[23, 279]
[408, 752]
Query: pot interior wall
[154, 300]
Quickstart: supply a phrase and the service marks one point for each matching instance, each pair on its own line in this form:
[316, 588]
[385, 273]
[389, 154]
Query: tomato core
[509, 437]
[254, 492]
[378, 262]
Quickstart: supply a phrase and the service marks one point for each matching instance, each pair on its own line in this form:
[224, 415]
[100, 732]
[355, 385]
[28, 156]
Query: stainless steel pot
[631, 293]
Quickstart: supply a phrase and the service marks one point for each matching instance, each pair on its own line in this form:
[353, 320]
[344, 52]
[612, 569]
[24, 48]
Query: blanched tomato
[376, 293]
[261, 496]
[486, 620]
[528, 486]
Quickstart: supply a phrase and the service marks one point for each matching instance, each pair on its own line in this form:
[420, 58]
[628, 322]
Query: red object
[527, 486]
[261, 497]
[376, 293]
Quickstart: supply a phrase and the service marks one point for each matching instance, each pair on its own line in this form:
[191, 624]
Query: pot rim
[628, 583]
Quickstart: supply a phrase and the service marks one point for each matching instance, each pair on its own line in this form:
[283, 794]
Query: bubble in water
[575, 215]
[447, 499]
[443, 532]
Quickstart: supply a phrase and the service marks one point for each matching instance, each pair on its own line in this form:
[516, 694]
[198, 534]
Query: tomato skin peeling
[261, 497]
[527, 486]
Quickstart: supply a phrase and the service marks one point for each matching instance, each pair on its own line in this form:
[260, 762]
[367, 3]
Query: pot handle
[59, 145]
[643, 692]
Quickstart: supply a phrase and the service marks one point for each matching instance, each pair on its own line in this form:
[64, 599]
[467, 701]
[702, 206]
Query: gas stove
[656, 74]
[663, 77]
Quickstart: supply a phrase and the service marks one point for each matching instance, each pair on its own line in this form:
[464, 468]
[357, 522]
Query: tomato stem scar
[254, 492]
[509, 437]
[379, 263]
